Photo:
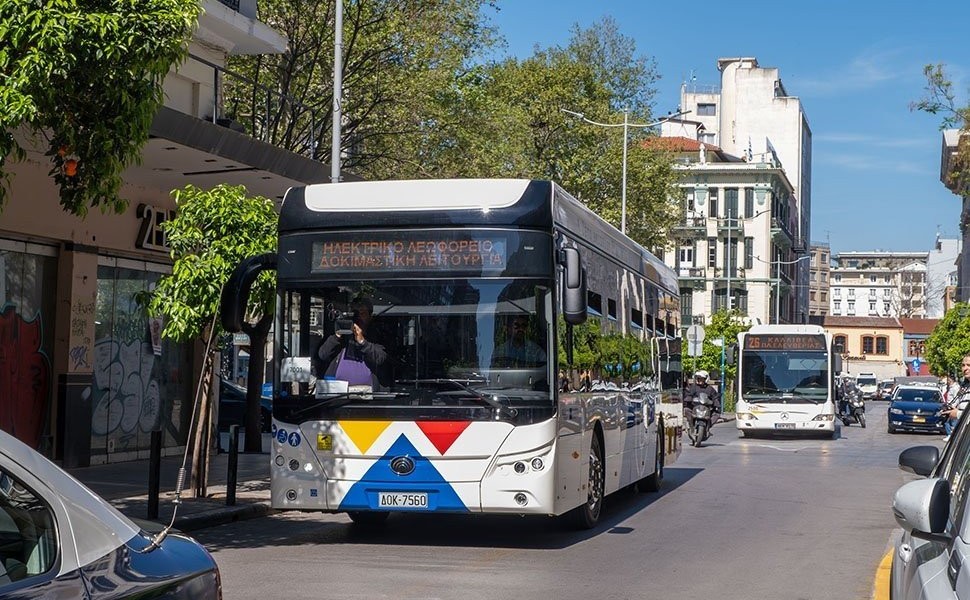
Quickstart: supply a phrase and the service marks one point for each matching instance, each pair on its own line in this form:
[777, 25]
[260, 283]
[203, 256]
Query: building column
[73, 360]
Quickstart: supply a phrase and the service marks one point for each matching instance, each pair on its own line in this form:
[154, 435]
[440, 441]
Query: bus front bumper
[782, 422]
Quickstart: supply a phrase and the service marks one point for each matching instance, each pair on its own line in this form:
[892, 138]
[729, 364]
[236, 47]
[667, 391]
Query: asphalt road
[789, 518]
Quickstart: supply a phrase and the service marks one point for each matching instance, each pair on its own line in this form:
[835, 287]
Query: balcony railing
[249, 107]
[731, 225]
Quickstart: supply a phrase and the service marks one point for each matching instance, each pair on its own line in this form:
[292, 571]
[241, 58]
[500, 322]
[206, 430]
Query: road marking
[880, 587]
[780, 449]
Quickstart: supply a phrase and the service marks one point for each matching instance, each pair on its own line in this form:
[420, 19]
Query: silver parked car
[931, 560]
[58, 539]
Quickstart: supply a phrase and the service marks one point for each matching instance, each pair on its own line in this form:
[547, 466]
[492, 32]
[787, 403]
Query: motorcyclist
[848, 390]
[701, 385]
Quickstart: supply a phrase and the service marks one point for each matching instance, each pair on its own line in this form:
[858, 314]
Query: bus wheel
[587, 515]
[652, 482]
[368, 519]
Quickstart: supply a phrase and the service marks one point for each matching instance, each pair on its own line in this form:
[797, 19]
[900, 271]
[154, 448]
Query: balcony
[691, 228]
[780, 233]
[693, 277]
[732, 226]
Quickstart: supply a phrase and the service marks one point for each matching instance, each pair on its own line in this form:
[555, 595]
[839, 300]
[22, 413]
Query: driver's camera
[344, 324]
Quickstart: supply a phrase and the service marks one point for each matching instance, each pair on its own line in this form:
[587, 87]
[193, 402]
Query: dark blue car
[916, 408]
[60, 540]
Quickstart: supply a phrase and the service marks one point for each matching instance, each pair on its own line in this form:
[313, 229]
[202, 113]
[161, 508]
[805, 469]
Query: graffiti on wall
[126, 394]
[24, 377]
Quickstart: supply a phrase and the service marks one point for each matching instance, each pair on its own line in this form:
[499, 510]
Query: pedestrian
[958, 396]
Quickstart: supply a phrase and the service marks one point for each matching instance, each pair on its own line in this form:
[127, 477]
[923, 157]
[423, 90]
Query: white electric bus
[455, 423]
[786, 380]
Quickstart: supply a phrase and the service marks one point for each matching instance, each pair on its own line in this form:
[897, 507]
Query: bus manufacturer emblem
[402, 465]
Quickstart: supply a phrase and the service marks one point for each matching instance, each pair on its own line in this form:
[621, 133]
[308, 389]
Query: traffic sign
[916, 364]
[695, 333]
[695, 348]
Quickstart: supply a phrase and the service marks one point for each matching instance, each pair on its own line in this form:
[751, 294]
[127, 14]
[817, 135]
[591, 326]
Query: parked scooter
[701, 415]
[853, 408]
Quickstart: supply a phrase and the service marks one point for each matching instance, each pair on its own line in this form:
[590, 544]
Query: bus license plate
[784, 425]
[919, 419]
[402, 500]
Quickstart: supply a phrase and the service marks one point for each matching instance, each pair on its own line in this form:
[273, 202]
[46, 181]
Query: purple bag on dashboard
[354, 372]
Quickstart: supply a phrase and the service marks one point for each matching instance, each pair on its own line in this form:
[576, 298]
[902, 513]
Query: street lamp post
[778, 264]
[626, 125]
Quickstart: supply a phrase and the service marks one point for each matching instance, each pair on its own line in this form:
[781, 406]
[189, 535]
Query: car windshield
[866, 381]
[927, 395]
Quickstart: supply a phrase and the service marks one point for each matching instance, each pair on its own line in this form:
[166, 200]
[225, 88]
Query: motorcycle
[853, 409]
[702, 414]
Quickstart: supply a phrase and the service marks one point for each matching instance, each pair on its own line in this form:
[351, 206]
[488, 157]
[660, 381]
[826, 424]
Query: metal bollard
[154, 473]
[233, 465]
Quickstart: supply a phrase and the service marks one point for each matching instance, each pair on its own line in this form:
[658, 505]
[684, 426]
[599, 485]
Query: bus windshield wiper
[762, 390]
[489, 399]
[340, 398]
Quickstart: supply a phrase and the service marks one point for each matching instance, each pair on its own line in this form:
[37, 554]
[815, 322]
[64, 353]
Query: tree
[84, 79]
[727, 325]
[950, 340]
[400, 62]
[422, 101]
[212, 232]
[939, 99]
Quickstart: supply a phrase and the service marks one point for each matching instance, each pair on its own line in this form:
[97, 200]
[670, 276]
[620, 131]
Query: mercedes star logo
[402, 465]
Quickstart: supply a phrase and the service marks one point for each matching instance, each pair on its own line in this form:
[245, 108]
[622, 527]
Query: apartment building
[746, 153]
[955, 141]
[88, 385]
[818, 283]
[733, 245]
[941, 275]
[879, 284]
[751, 114]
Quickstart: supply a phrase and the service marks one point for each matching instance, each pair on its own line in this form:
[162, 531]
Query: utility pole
[338, 44]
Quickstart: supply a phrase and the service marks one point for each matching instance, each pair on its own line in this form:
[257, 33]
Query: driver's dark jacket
[693, 390]
[371, 353]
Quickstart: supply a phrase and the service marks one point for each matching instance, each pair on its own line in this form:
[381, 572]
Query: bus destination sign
[409, 254]
[784, 342]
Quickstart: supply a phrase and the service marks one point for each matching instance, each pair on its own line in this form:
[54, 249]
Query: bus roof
[531, 204]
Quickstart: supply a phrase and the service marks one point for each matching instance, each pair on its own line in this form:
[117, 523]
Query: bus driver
[354, 357]
[518, 350]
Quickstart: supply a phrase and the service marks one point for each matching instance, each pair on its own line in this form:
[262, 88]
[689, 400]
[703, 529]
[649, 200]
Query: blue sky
[856, 66]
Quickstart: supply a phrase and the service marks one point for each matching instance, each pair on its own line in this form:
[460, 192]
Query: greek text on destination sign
[784, 342]
[366, 255]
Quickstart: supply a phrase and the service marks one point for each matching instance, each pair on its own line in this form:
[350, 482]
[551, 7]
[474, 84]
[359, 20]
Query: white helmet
[702, 374]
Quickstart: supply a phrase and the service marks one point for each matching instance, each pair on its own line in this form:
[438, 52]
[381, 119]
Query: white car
[58, 539]
[931, 560]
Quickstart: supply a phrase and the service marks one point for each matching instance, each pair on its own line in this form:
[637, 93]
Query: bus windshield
[448, 342]
[792, 376]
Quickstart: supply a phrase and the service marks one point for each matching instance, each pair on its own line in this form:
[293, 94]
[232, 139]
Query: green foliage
[950, 341]
[212, 232]
[425, 101]
[611, 354]
[726, 324]
[939, 99]
[85, 77]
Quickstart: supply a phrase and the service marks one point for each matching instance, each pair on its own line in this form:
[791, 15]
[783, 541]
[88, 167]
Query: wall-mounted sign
[150, 235]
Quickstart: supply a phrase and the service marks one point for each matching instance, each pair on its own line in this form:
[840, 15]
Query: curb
[221, 516]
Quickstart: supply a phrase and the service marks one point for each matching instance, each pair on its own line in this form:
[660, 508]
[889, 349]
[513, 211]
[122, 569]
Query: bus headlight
[824, 418]
[746, 417]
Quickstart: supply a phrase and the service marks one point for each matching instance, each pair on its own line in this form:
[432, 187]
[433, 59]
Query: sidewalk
[125, 486]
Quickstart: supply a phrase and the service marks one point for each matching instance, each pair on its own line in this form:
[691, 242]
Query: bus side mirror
[729, 353]
[837, 363]
[235, 294]
[574, 288]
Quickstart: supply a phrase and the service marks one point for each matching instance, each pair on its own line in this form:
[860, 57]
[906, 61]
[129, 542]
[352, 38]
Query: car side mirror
[920, 460]
[923, 508]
